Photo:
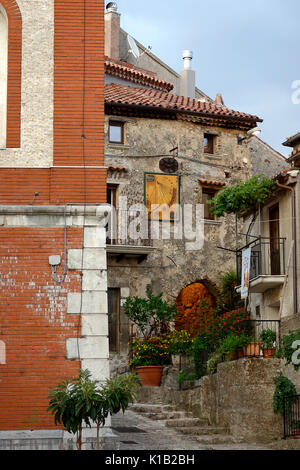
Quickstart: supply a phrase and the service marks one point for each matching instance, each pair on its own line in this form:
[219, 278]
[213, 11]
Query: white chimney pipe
[188, 76]
[187, 57]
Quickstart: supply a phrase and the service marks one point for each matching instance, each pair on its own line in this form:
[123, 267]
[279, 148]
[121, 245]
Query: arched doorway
[195, 309]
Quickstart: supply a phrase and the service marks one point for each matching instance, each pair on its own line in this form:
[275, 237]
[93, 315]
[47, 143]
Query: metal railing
[129, 228]
[292, 417]
[267, 257]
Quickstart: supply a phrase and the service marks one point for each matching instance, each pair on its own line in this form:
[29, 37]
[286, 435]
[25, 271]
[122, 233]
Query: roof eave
[246, 121]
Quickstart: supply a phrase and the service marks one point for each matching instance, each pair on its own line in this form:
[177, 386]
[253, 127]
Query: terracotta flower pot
[296, 433]
[252, 350]
[150, 375]
[269, 353]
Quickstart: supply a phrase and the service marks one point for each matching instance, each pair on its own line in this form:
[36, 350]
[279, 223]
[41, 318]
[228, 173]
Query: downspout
[294, 233]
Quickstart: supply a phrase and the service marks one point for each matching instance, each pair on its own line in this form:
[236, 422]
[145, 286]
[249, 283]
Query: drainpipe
[294, 234]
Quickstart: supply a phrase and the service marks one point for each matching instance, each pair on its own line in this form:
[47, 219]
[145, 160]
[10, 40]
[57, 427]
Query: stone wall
[170, 267]
[239, 397]
[266, 160]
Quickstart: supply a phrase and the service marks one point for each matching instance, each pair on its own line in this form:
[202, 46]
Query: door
[274, 240]
[114, 319]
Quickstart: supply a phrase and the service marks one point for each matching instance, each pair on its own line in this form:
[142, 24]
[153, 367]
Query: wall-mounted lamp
[256, 131]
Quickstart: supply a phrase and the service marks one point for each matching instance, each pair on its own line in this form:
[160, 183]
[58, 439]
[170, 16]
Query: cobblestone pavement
[136, 432]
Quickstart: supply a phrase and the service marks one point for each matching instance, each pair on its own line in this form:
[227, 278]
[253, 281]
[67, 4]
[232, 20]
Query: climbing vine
[244, 197]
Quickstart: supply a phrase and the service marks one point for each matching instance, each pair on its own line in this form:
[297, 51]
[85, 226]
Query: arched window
[10, 74]
[3, 76]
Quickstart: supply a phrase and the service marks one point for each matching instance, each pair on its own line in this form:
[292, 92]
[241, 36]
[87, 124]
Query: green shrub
[268, 338]
[150, 352]
[184, 377]
[83, 400]
[149, 314]
[284, 388]
[180, 343]
[286, 347]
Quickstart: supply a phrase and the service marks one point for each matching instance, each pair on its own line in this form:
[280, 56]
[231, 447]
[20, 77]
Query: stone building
[53, 316]
[274, 241]
[162, 148]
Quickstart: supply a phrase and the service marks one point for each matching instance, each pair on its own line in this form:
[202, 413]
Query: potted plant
[268, 339]
[252, 349]
[149, 358]
[233, 345]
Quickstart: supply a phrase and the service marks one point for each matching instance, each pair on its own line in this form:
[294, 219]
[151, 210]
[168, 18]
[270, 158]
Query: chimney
[112, 31]
[187, 76]
[219, 100]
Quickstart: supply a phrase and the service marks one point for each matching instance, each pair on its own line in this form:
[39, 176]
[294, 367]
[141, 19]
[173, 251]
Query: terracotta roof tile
[206, 182]
[134, 74]
[290, 141]
[126, 95]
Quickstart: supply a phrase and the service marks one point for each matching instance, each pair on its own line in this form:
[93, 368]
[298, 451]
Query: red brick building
[53, 318]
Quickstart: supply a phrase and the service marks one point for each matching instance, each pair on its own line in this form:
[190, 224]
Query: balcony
[129, 235]
[267, 264]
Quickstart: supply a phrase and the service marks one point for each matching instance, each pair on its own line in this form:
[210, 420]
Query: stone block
[96, 347]
[74, 303]
[93, 258]
[94, 281]
[94, 325]
[125, 292]
[92, 302]
[94, 237]
[99, 368]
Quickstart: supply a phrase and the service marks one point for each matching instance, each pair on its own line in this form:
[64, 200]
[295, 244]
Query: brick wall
[34, 324]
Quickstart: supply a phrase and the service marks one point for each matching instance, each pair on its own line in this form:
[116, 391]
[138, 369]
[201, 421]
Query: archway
[195, 309]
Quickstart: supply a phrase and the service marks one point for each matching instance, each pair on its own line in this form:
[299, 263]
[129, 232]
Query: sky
[246, 50]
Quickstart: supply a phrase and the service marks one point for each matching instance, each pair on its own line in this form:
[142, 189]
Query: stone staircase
[183, 422]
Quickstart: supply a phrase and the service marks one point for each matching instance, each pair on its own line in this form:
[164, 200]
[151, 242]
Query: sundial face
[162, 196]
[168, 165]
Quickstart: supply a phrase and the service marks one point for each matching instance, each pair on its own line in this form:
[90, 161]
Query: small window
[208, 195]
[209, 143]
[116, 132]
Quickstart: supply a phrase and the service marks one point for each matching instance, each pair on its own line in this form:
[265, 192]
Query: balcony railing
[129, 228]
[267, 257]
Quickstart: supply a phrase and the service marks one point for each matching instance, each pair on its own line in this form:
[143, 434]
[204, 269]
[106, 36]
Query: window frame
[210, 148]
[120, 124]
[208, 191]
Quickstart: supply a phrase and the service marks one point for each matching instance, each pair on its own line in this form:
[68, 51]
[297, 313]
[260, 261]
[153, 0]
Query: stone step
[151, 395]
[202, 431]
[186, 423]
[215, 439]
[168, 415]
[151, 408]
